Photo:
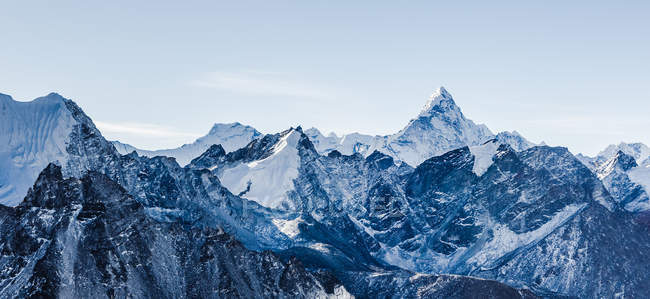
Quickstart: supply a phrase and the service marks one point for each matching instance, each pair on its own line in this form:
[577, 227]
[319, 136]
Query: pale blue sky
[159, 74]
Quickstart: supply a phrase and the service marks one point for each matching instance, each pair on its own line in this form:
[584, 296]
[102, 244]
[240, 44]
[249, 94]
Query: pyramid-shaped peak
[441, 97]
[624, 160]
[441, 91]
[620, 160]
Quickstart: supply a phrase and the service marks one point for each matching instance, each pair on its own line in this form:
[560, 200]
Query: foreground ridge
[80, 238]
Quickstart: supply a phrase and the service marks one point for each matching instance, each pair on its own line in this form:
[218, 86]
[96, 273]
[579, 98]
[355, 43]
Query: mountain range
[442, 208]
[440, 127]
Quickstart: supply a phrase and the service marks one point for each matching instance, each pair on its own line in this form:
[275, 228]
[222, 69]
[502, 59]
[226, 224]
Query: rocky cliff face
[486, 211]
[82, 238]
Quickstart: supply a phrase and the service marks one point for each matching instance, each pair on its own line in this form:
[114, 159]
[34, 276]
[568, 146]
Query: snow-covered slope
[483, 156]
[641, 175]
[49, 129]
[230, 136]
[624, 169]
[626, 181]
[268, 180]
[32, 134]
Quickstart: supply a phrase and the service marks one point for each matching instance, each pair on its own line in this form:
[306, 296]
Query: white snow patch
[360, 225]
[641, 176]
[434, 100]
[322, 247]
[395, 257]
[69, 240]
[524, 198]
[505, 240]
[417, 276]
[271, 178]
[483, 155]
[600, 197]
[288, 227]
[340, 293]
[317, 216]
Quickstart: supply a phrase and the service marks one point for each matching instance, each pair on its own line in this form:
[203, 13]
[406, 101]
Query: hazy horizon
[158, 75]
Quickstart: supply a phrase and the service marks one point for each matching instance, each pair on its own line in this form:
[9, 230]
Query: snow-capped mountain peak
[515, 140]
[638, 150]
[32, 134]
[621, 162]
[269, 179]
[440, 98]
[440, 127]
[219, 129]
[347, 144]
[626, 181]
[230, 136]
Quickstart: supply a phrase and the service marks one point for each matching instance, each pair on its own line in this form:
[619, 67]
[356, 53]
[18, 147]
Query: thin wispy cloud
[142, 129]
[260, 83]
